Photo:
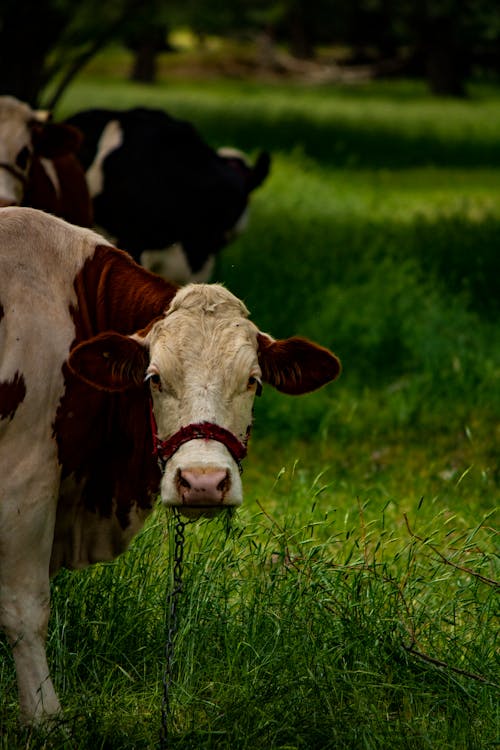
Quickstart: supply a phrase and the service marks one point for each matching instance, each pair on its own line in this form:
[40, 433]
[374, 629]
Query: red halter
[165, 449]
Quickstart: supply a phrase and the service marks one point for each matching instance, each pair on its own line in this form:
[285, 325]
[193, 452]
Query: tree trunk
[28, 31]
[146, 45]
[446, 59]
[144, 67]
[301, 37]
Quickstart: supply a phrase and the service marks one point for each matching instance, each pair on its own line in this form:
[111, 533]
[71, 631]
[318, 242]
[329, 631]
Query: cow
[38, 164]
[161, 192]
[115, 386]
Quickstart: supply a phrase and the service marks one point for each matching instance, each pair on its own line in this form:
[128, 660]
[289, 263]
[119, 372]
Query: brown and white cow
[161, 192]
[38, 164]
[114, 386]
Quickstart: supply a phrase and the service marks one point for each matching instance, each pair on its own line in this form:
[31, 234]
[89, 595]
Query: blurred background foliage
[443, 42]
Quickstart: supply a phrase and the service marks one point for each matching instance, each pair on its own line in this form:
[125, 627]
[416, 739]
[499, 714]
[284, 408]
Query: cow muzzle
[201, 480]
[201, 465]
[204, 491]
[203, 486]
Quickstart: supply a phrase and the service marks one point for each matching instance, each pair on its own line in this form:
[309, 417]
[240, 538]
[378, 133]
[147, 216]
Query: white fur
[171, 263]
[29, 478]
[111, 139]
[14, 136]
[51, 173]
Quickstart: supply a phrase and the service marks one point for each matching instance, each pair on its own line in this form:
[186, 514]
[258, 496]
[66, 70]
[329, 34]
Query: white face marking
[203, 355]
[228, 152]
[15, 147]
[51, 173]
[111, 139]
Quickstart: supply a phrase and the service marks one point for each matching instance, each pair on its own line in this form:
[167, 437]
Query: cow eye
[253, 382]
[23, 157]
[154, 379]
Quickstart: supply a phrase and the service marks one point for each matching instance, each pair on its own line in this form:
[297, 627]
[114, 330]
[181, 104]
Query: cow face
[16, 149]
[203, 362]
[24, 135]
[204, 370]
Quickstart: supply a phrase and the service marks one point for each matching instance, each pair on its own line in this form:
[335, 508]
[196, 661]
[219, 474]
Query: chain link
[171, 628]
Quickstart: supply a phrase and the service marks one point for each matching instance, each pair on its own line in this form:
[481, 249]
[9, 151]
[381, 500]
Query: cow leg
[25, 623]
[26, 534]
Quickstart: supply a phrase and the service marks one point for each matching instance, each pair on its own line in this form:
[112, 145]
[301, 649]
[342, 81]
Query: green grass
[350, 604]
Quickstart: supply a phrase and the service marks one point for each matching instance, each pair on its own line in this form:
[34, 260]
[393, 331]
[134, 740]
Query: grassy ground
[350, 604]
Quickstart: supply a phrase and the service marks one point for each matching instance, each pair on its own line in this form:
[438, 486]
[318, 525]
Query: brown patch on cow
[116, 294]
[54, 139]
[75, 204]
[70, 199]
[12, 394]
[105, 439]
[40, 191]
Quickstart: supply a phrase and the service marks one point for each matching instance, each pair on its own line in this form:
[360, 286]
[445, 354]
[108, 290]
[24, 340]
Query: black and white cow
[161, 192]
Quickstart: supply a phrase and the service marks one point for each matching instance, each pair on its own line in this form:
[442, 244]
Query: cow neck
[165, 449]
[112, 293]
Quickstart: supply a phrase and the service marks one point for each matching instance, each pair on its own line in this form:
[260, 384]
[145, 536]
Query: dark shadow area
[456, 253]
[339, 143]
[389, 298]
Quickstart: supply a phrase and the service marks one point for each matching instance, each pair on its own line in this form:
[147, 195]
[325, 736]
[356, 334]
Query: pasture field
[350, 604]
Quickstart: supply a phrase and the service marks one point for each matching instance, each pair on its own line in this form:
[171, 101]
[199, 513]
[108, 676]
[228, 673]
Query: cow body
[38, 164]
[114, 386]
[160, 192]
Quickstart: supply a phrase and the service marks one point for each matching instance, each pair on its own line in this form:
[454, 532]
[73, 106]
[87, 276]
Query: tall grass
[347, 631]
[350, 604]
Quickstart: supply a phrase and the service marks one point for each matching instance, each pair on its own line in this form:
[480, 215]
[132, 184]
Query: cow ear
[296, 365]
[259, 171]
[55, 139]
[110, 362]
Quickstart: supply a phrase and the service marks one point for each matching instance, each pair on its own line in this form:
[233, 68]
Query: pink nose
[204, 486]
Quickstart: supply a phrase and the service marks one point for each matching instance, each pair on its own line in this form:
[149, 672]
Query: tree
[57, 38]
[45, 43]
[439, 40]
[449, 35]
[35, 27]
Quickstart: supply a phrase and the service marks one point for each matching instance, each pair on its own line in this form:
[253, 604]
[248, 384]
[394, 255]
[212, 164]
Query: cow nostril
[224, 483]
[183, 482]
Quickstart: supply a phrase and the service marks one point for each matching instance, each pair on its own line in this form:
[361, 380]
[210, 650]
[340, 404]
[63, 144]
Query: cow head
[253, 175]
[26, 134]
[203, 363]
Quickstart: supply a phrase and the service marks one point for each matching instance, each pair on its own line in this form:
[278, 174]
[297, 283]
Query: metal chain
[171, 627]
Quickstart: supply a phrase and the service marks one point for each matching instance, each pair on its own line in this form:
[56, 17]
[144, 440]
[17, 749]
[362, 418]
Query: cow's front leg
[26, 535]
[24, 616]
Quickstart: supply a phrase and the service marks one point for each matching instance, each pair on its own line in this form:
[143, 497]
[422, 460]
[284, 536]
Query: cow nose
[5, 202]
[204, 486]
